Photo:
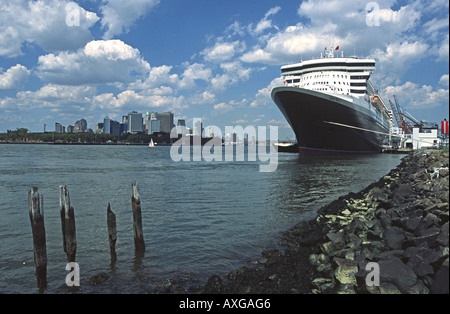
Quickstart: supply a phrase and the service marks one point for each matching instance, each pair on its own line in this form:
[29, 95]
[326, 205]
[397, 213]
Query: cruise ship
[332, 106]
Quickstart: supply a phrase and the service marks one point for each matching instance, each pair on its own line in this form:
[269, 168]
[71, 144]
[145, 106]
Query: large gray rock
[441, 280]
[443, 237]
[404, 191]
[394, 271]
[394, 237]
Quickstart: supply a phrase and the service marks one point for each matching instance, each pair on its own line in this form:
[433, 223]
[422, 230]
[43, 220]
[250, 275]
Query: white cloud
[193, 73]
[265, 23]
[14, 77]
[99, 62]
[223, 51]
[444, 80]
[344, 22]
[222, 108]
[42, 23]
[119, 15]
[263, 96]
[205, 97]
[157, 77]
[443, 50]
[414, 96]
[398, 57]
[234, 72]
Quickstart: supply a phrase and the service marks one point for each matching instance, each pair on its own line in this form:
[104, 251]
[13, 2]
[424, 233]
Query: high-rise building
[147, 125]
[166, 119]
[80, 126]
[155, 126]
[58, 128]
[114, 128]
[198, 127]
[181, 126]
[107, 125]
[135, 124]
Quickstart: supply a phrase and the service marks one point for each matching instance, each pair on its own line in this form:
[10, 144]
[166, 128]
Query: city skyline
[62, 60]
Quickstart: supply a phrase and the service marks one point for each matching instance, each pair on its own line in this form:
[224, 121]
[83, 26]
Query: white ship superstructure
[313, 85]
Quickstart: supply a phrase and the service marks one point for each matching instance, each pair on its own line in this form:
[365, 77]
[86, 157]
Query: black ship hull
[324, 124]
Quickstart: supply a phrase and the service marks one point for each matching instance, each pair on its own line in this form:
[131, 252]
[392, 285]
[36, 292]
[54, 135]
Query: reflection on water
[199, 218]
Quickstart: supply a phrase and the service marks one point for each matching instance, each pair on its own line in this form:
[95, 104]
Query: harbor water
[199, 218]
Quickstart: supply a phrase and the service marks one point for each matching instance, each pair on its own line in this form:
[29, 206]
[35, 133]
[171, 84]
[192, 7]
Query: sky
[62, 61]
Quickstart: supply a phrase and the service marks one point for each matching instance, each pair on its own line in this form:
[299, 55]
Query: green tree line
[22, 135]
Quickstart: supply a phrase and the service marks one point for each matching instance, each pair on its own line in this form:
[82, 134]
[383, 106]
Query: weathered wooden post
[36, 211]
[112, 233]
[139, 244]
[67, 224]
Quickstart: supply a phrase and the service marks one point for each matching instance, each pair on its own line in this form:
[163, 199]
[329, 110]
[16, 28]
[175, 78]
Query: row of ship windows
[333, 64]
[353, 91]
[328, 83]
[317, 76]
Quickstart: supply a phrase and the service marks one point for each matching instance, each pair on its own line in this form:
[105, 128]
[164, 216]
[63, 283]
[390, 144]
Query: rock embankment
[392, 237]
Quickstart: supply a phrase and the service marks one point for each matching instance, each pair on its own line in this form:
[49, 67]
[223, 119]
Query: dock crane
[404, 120]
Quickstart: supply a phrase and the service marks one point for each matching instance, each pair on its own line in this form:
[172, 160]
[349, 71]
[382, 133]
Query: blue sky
[61, 61]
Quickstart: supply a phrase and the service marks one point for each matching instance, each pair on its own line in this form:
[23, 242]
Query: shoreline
[399, 222]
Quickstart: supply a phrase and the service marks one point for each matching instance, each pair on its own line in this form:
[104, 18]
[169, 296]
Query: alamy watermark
[254, 140]
[373, 277]
[72, 14]
[372, 14]
[73, 278]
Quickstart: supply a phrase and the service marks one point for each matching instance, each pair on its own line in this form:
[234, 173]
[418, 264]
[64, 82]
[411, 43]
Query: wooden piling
[36, 212]
[112, 233]
[139, 244]
[67, 224]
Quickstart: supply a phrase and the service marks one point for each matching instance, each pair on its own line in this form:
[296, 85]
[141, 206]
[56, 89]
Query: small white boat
[151, 144]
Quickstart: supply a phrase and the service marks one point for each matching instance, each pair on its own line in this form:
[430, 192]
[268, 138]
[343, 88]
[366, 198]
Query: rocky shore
[392, 237]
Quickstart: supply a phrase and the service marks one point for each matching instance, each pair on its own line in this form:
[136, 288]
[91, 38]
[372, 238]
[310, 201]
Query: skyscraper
[80, 126]
[107, 125]
[166, 119]
[198, 127]
[135, 124]
[181, 126]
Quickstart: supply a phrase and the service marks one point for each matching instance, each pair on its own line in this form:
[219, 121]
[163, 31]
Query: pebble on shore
[400, 223]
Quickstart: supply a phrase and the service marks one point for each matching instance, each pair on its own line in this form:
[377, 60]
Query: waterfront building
[155, 126]
[114, 128]
[107, 125]
[123, 128]
[181, 126]
[80, 126]
[166, 119]
[147, 122]
[135, 124]
[59, 128]
[198, 127]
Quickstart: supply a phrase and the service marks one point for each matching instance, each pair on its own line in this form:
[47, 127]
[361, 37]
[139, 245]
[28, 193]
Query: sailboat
[151, 144]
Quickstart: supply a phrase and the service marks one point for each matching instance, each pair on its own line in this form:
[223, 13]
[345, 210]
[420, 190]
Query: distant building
[147, 123]
[80, 126]
[59, 128]
[166, 119]
[70, 129]
[198, 127]
[123, 128]
[155, 126]
[181, 126]
[135, 124]
[114, 128]
[98, 128]
[107, 125]
[425, 136]
[210, 131]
